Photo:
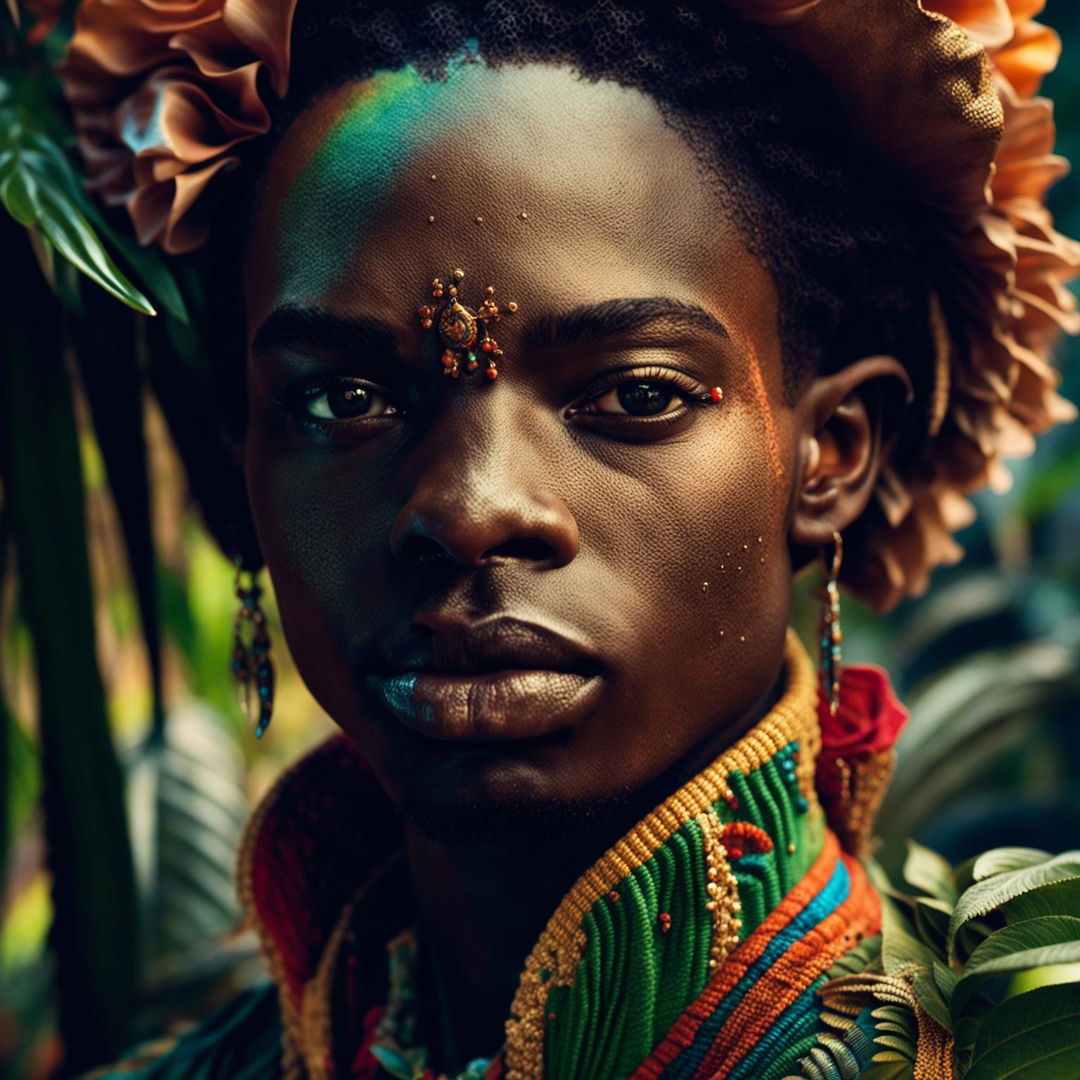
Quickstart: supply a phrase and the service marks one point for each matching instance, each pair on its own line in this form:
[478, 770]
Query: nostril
[524, 547]
[422, 549]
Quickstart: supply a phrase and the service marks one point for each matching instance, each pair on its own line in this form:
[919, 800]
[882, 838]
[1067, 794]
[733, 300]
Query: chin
[499, 792]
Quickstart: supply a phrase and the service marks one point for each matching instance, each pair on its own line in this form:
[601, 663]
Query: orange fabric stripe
[740, 961]
[803, 962]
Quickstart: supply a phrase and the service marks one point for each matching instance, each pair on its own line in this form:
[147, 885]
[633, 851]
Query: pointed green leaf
[1001, 860]
[1035, 1036]
[945, 978]
[17, 194]
[929, 996]
[1034, 943]
[1053, 898]
[994, 891]
[928, 872]
[901, 949]
[72, 236]
[932, 921]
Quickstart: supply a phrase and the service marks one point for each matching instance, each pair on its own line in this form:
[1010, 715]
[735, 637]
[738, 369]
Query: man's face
[546, 588]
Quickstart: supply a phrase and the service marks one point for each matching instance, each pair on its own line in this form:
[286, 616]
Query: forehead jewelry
[463, 333]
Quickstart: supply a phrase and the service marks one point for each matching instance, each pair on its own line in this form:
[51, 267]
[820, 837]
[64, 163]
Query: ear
[849, 420]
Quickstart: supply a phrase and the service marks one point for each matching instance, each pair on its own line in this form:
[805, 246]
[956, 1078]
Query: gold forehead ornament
[463, 333]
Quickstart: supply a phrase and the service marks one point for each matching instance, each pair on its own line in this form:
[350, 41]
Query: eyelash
[686, 387]
[293, 398]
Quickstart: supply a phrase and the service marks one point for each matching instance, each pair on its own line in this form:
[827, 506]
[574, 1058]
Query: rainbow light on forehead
[328, 206]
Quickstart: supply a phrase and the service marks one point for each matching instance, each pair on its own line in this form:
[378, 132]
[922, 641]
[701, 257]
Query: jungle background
[127, 768]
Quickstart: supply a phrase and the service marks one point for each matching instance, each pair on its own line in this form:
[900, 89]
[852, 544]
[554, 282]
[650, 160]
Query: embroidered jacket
[695, 947]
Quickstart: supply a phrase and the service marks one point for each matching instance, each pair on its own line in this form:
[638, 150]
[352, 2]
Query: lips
[500, 678]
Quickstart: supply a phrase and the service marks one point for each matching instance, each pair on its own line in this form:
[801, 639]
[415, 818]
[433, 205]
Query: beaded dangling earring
[251, 664]
[831, 634]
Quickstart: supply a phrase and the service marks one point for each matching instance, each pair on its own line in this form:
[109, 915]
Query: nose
[481, 500]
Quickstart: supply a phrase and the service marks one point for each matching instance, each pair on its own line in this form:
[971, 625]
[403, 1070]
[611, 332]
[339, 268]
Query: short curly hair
[851, 254]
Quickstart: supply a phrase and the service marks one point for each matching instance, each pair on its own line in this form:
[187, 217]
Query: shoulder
[241, 1041]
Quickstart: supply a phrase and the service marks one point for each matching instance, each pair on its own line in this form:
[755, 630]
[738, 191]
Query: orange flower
[163, 91]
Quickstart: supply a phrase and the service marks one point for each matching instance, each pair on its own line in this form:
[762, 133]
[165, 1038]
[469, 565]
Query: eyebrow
[296, 326]
[594, 322]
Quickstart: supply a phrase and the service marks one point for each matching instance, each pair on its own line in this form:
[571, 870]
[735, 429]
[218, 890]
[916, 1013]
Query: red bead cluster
[741, 838]
[463, 332]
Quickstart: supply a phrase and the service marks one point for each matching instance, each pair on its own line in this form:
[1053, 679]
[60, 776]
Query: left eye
[638, 398]
[346, 401]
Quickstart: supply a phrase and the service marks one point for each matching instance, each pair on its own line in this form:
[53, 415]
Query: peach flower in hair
[164, 92]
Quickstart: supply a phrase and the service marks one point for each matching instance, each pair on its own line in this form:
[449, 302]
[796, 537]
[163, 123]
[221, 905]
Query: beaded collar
[692, 948]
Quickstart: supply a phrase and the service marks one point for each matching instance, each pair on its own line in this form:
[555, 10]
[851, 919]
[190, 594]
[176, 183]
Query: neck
[483, 905]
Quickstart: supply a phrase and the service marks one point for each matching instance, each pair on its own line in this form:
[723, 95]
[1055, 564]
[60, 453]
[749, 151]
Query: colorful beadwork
[691, 949]
[463, 333]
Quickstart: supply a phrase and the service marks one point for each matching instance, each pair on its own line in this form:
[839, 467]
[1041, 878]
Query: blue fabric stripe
[831, 897]
[797, 1021]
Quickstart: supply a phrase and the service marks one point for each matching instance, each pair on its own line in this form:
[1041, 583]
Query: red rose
[869, 718]
[856, 759]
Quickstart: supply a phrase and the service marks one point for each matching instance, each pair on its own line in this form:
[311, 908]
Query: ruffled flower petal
[164, 92]
[969, 137]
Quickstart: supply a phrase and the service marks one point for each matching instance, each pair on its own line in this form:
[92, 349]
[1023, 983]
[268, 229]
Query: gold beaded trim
[722, 889]
[559, 948]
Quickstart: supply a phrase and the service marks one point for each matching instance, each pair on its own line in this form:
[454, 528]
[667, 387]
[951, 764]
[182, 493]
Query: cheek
[321, 531]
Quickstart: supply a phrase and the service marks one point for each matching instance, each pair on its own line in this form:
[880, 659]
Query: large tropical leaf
[1034, 1036]
[1054, 939]
[105, 344]
[93, 934]
[999, 889]
[188, 806]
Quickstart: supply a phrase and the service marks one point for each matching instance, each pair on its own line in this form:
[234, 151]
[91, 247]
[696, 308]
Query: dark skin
[652, 530]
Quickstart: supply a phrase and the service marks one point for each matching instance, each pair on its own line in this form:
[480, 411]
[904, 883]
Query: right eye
[343, 401]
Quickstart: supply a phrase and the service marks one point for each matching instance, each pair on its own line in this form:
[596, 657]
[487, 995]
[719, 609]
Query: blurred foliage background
[126, 767]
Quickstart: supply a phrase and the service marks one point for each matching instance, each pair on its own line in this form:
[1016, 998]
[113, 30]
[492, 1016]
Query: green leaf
[93, 932]
[929, 996]
[932, 921]
[1035, 1036]
[1000, 860]
[17, 194]
[1053, 898]
[901, 950]
[894, 1070]
[41, 190]
[74, 238]
[928, 872]
[1034, 943]
[994, 891]
[188, 805]
[945, 978]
